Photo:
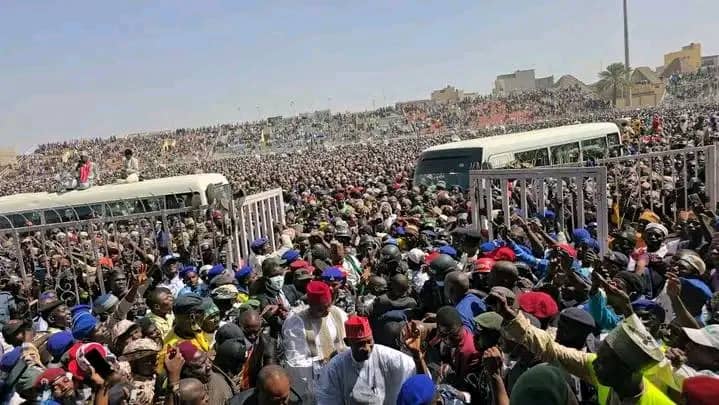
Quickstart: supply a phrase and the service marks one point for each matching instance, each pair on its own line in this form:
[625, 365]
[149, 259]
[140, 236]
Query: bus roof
[537, 138]
[111, 192]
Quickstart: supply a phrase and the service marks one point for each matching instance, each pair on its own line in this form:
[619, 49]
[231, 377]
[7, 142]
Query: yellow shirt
[172, 340]
[573, 361]
[164, 325]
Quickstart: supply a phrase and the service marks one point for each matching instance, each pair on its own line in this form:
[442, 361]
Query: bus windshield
[451, 167]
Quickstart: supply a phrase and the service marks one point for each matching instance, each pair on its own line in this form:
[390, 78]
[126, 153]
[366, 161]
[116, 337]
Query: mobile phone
[172, 352]
[101, 366]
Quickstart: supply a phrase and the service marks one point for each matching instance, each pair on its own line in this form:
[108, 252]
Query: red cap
[48, 377]
[503, 253]
[701, 390]
[187, 350]
[318, 293]
[431, 256]
[569, 249]
[340, 197]
[484, 264]
[539, 304]
[299, 264]
[357, 328]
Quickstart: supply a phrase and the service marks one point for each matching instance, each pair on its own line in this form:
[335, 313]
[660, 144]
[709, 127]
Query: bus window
[567, 153]
[613, 139]
[5, 223]
[594, 148]
[536, 157]
[52, 217]
[176, 201]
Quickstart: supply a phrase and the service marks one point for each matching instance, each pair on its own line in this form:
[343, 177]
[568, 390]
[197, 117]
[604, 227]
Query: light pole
[628, 89]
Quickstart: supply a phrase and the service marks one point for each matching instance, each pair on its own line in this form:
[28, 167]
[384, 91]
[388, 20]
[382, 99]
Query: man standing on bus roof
[130, 168]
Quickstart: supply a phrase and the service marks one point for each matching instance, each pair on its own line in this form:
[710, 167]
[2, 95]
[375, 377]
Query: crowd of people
[380, 291]
[702, 85]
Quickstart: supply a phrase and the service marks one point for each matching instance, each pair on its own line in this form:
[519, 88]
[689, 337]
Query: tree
[614, 79]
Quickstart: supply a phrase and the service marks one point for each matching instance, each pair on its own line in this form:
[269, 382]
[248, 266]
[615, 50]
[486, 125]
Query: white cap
[416, 256]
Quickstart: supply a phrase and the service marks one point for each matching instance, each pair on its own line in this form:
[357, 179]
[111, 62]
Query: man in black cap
[56, 313]
[189, 316]
[17, 331]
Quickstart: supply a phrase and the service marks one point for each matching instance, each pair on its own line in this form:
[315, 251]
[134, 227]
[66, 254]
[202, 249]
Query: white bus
[451, 162]
[113, 200]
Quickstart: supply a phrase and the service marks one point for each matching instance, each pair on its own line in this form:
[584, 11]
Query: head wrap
[417, 390]
[318, 293]
[661, 228]
[187, 270]
[650, 217]
[357, 328]
[448, 250]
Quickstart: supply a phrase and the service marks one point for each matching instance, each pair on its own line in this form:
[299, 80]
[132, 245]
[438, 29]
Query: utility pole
[628, 89]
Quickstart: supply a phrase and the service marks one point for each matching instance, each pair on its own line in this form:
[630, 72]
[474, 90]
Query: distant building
[521, 80]
[710, 62]
[447, 95]
[569, 81]
[7, 156]
[691, 55]
[647, 88]
[544, 82]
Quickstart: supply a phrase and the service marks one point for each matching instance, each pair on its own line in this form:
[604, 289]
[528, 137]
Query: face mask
[276, 282]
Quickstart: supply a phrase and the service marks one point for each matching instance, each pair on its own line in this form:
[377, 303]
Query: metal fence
[575, 195]
[257, 215]
[663, 181]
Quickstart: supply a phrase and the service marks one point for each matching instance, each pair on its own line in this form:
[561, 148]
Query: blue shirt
[469, 307]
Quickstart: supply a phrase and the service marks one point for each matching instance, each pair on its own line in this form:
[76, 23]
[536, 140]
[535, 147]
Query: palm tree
[613, 78]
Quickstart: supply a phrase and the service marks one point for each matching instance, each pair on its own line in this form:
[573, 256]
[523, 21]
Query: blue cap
[245, 271]
[417, 390]
[83, 324]
[333, 274]
[169, 258]
[644, 304]
[490, 246]
[58, 343]
[448, 250]
[399, 231]
[101, 304]
[8, 360]
[216, 270]
[695, 290]
[549, 214]
[258, 243]
[187, 270]
[580, 235]
[390, 241]
[83, 307]
[290, 256]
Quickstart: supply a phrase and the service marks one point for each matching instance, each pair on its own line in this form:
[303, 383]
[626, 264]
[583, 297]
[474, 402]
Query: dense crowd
[702, 85]
[380, 291]
[175, 151]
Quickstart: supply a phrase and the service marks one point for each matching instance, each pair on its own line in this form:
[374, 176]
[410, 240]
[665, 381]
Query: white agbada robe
[380, 377]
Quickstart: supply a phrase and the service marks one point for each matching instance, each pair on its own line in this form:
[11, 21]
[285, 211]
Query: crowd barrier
[665, 176]
[257, 216]
[76, 252]
[573, 194]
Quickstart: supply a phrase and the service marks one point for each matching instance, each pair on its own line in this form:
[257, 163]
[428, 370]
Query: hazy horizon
[87, 69]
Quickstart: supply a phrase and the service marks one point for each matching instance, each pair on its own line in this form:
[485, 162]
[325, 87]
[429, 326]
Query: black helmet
[442, 264]
[390, 253]
[367, 240]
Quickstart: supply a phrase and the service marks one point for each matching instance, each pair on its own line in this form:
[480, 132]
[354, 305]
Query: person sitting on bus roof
[86, 172]
[130, 168]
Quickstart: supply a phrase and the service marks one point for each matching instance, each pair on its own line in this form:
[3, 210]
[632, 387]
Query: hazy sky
[97, 68]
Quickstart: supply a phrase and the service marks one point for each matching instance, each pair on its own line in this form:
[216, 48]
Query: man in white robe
[366, 374]
[311, 337]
